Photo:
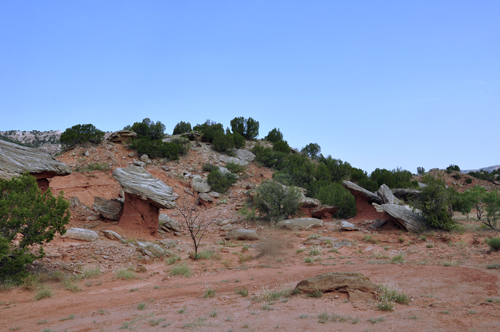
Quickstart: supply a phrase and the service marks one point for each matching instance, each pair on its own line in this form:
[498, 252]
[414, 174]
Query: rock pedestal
[139, 216]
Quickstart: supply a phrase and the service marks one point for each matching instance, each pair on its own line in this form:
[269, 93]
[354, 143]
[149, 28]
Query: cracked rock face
[16, 160]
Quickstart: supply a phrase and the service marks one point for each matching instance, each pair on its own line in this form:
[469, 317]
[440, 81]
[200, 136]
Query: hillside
[246, 285]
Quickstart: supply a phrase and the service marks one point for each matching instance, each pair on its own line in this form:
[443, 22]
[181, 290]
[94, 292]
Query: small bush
[239, 141]
[457, 176]
[494, 243]
[209, 167]
[181, 269]
[468, 180]
[235, 168]
[223, 142]
[281, 146]
[248, 128]
[220, 182]
[274, 135]
[242, 291]
[181, 128]
[43, 293]
[385, 306]
[316, 294]
[209, 293]
[147, 129]
[156, 148]
[209, 129]
[124, 274]
[80, 134]
[277, 201]
[141, 306]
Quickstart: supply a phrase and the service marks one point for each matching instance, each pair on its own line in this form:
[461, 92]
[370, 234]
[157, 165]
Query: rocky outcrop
[81, 234]
[245, 155]
[359, 191]
[347, 226]
[169, 223]
[205, 198]
[144, 196]
[337, 281]
[200, 184]
[108, 208]
[300, 223]
[112, 235]
[16, 160]
[403, 216]
[308, 202]
[122, 136]
[386, 195]
[242, 234]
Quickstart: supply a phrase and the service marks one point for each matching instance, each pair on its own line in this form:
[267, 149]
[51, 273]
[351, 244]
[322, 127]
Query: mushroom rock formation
[122, 136]
[144, 196]
[16, 160]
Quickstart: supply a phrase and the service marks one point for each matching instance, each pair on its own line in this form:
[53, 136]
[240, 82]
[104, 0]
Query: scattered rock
[200, 184]
[187, 191]
[355, 189]
[131, 154]
[405, 193]
[308, 202]
[227, 159]
[214, 194]
[320, 211]
[166, 168]
[81, 234]
[337, 281]
[300, 223]
[242, 234]
[347, 226]
[109, 209]
[245, 155]
[205, 198]
[139, 163]
[227, 227]
[113, 235]
[167, 222]
[223, 222]
[145, 158]
[223, 170]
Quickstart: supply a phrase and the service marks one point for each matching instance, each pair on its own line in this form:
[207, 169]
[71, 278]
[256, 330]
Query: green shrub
[468, 180]
[274, 135]
[242, 291]
[281, 146]
[183, 145]
[80, 134]
[239, 141]
[209, 167]
[248, 128]
[220, 182]
[181, 269]
[124, 274]
[494, 243]
[181, 128]
[36, 216]
[276, 201]
[235, 168]
[335, 194]
[311, 150]
[268, 157]
[420, 170]
[209, 129]
[209, 293]
[148, 129]
[457, 176]
[156, 148]
[43, 293]
[223, 142]
[452, 168]
[435, 201]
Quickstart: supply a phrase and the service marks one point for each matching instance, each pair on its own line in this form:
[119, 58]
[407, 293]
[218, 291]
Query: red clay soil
[366, 211]
[139, 215]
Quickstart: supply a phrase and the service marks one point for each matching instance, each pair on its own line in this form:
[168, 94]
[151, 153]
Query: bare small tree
[196, 221]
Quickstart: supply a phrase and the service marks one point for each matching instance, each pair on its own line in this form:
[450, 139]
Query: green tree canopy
[248, 128]
[81, 134]
[148, 129]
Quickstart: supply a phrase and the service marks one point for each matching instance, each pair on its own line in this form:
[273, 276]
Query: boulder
[214, 194]
[144, 196]
[227, 159]
[167, 222]
[145, 158]
[300, 223]
[136, 181]
[113, 235]
[223, 222]
[337, 281]
[245, 155]
[16, 160]
[404, 216]
[320, 211]
[206, 198]
[227, 227]
[386, 195]
[308, 202]
[81, 234]
[242, 234]
[187, 191]
[200, 184]
[139, 163]
[357, 190]
[347, 226]
[122, 136]
[108, 208]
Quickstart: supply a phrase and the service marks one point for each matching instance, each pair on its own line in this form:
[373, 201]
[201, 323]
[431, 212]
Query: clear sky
[376, 83]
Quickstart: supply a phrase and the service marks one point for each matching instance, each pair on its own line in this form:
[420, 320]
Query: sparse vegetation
[209, 293]
[181, 269]
[494, 243]
[124, 274]
[43, 293]
[242, 291]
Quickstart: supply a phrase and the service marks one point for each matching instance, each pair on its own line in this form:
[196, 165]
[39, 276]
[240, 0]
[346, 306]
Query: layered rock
[404, 216]
[358, 191]
[81, 234]
[242, 234]
[144, 196]
[16, 160]
[122, 136]
[386, 195]
[300, 223]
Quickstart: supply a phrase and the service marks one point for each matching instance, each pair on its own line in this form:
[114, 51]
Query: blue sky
[376, 83]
